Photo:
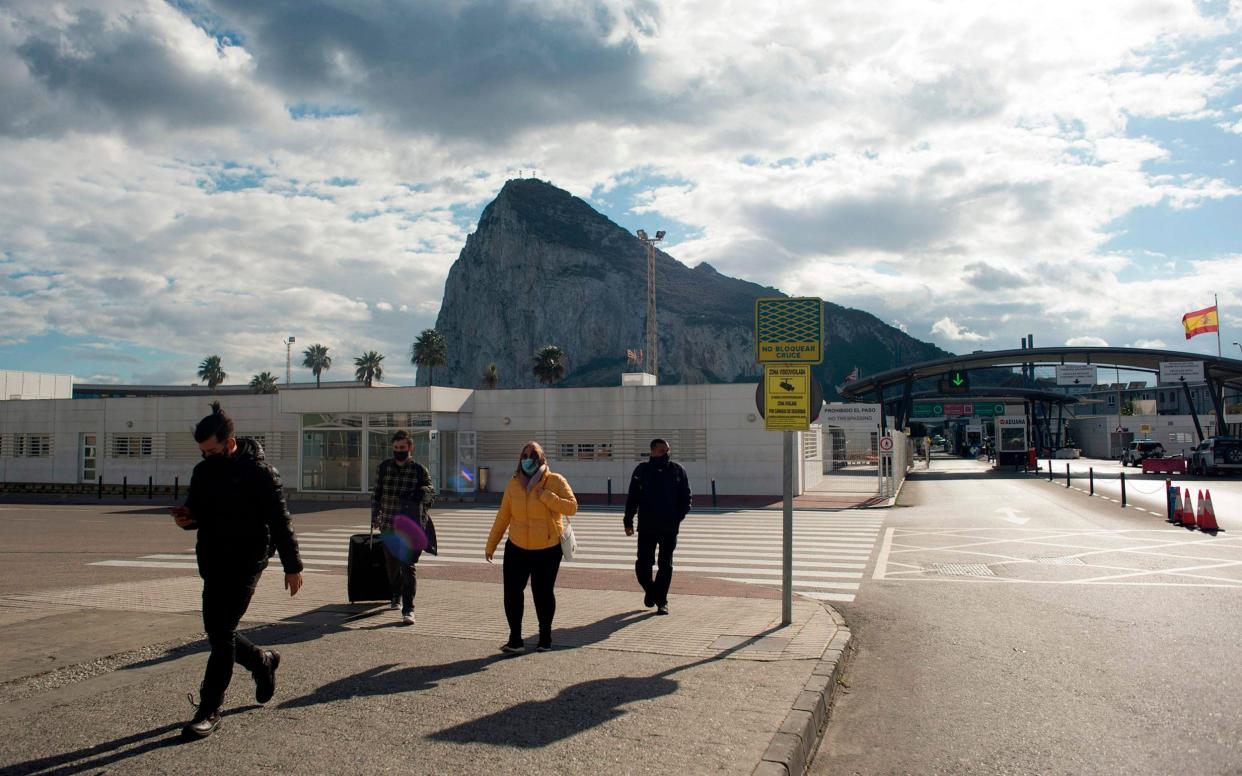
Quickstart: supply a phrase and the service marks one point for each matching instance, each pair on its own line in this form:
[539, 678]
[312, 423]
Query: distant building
[34, 385]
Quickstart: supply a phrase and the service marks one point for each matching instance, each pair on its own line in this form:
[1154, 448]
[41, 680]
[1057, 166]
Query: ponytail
[218, 425]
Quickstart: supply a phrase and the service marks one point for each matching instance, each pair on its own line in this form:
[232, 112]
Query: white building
[34, 385]
[329, 440]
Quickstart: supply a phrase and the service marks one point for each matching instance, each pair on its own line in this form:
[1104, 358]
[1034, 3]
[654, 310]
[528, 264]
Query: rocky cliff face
[544, 268]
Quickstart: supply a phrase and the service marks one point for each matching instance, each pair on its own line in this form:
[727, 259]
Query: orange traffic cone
[1207, 515]
[1188, 509]
[1177, 507]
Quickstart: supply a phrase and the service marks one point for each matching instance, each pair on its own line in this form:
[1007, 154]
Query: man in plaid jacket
[401, 484]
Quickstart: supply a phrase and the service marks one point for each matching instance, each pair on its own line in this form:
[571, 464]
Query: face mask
[529, 465]
[659, 458]
[401, 455]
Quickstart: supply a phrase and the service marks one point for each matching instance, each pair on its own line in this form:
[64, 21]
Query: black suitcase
[367, 573]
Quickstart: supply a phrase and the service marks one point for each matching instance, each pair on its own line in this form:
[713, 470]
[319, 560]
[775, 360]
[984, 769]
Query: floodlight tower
[652, 363]
[289, 359]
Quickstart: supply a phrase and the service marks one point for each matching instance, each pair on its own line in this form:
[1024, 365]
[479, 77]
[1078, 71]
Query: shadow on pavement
[575, 709]
[96, 758]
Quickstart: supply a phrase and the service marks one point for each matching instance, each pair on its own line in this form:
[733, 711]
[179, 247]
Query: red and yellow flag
[1201, 321]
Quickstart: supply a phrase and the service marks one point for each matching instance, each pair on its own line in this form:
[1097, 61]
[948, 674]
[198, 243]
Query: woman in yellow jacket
[531, 510]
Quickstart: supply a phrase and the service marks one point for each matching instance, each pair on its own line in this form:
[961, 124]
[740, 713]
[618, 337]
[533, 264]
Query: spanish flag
[1201, 321]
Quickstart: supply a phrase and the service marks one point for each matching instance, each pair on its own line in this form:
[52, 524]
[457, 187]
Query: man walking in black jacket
[237, 505]
[660, 496]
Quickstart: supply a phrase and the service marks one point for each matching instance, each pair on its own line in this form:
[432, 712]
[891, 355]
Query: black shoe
[513, 648]
[543, 646]
[204, 724]
[265, 677]
[649, 599]
[662, 609]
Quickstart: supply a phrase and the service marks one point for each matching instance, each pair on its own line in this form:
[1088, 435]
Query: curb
[798, 737]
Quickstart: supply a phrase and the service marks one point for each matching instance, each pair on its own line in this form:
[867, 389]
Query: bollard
[1049, 470]
[150, 487]
[610, 490]
[1123, 490]
[713, 493]
[176, 487]
[1091, 479]
[1067, 475]
[125, 487]
[1168, 499]
[101, 487]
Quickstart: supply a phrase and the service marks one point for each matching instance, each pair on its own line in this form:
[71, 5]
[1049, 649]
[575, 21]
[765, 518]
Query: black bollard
[1049, 470]
[101, 487]
[713, 493]
[1091, 478]
[150, 487]
[1067, 475]
[610, 490]
[176, 487]
[1123, 489]
[125, 487]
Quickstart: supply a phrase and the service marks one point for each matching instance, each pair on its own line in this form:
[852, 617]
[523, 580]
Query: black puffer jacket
[659, 494]
[239, 509]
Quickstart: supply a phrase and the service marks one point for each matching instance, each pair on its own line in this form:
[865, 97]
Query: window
[584, 451]
[32, 445]
[131, 446]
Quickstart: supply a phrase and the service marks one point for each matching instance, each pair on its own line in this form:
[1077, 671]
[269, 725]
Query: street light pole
[652, 361]
[1239, 345]
[289, 359]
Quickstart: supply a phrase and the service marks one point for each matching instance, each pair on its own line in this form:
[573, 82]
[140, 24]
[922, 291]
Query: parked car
[1216, 454]
[1143, 448]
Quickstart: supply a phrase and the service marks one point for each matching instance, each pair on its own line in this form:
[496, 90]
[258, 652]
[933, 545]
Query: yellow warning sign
[787, 397]
[789, 330]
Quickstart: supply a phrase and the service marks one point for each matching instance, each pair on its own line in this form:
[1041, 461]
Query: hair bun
[215, 408]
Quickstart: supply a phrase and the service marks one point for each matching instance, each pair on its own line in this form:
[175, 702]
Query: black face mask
[659, 459]
[401, 455]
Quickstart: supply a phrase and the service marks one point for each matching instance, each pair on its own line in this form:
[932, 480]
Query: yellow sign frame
[787, 397]
[789, 330]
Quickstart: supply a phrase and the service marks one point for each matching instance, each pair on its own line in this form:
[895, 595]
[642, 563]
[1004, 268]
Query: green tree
[491, 377]
[369, 367]
[211, 372]
[429, 351]
[316, 359]
[549, 364]
[263, 382]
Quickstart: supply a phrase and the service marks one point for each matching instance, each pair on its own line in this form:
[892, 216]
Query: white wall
[34, 385]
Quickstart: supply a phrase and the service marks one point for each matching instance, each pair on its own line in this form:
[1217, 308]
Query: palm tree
[490, 377]
[211, 372]
[369, 367]
[429, 351]
[263, 382]
[549, 364]
[316, 359]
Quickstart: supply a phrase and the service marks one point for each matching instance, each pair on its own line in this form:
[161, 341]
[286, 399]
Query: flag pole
[1216, 304]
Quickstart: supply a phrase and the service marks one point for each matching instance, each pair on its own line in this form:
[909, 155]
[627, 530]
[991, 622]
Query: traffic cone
[1176, 497]
[1188, 509]
[1207, 515]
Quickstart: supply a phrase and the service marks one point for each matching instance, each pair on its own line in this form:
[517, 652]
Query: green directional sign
[989, 410]
[957, 381]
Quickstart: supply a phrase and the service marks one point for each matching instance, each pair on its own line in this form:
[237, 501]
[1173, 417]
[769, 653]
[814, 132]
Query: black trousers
[226, 596]
[401, 577]
[541, 568]
[648, 541]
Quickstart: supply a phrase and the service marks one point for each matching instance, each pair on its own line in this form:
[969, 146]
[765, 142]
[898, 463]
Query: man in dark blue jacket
[237, 505]
[660, 496]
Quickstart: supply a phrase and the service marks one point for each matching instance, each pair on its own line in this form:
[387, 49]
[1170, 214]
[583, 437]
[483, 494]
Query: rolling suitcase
[367, 573]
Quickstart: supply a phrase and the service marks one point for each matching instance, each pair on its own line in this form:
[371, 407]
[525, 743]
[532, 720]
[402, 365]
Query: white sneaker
[407, 619]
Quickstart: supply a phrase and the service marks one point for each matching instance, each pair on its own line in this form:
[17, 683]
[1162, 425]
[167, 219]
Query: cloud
[945, 327]
[1154, 344]
[1086, 342]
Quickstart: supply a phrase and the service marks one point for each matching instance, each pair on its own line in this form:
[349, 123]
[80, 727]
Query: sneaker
[407, 618]
[265, 677]
[649, 599]
[513, 649]
[544, 646]
[662, 609]
[394, 603]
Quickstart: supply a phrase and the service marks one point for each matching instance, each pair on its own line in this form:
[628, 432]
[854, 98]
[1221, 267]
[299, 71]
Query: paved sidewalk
[717, 686]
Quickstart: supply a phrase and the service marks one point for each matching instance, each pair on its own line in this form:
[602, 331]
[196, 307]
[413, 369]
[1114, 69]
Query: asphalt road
[1103, 641]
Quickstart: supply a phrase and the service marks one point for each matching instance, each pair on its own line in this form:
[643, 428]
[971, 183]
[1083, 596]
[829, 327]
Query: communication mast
[652, 363]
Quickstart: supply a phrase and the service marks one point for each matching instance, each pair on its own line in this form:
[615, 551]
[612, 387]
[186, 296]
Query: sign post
[789, 338]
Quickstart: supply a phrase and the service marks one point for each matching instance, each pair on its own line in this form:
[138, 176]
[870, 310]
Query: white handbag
[569, 542]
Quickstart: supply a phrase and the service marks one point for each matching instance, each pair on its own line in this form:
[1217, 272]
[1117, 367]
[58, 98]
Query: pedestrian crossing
[831, 550]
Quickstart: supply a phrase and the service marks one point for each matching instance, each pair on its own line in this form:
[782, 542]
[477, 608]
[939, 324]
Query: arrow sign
[957, 378]
[1012, 517]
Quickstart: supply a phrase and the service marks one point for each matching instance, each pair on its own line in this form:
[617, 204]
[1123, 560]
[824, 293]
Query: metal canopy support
[879, 399]
[1216, 389]
[1194, 414]
[907, 403]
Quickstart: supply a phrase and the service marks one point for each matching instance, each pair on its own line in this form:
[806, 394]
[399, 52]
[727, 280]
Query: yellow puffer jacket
[533, 517]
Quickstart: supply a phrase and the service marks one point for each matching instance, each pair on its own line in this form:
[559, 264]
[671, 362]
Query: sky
[196, 177]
